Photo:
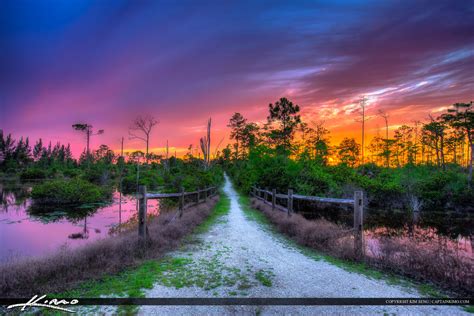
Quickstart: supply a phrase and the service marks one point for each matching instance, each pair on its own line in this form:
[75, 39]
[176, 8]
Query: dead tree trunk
[205, 143]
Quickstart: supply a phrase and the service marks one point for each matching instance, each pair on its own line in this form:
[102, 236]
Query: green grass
[265, 277]
[469, 309]
[220, 209]
[129, 283]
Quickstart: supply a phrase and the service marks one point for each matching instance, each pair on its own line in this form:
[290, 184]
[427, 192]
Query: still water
[26, 231]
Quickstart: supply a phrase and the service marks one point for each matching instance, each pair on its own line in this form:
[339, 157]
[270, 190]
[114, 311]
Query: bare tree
[206, 145]
[417, 123]
[87, 129]
[384, 115]
[144, 126]
[362, 104]
[167, 162]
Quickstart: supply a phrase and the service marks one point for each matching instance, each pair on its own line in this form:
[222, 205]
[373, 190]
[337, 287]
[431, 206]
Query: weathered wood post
[359, 224]
[198, 196]
[205, 195]
[181, 202]
[265, 194]
[290, 201]
[274, 193]
[142, 212]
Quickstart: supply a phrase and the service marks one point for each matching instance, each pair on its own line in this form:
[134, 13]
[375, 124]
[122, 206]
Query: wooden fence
[144, 196]
[357, 202]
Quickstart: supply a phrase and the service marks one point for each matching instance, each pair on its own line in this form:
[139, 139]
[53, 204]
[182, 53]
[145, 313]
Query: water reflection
[453, 230]
[450, 224]
[29, 230]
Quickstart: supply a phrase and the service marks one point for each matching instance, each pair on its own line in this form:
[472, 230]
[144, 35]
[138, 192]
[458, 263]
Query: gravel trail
[239, 258]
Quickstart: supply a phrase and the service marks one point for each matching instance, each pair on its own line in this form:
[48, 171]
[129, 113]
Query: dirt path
[237, 257]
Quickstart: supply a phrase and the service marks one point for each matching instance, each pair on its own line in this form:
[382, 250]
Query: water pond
[26, 230]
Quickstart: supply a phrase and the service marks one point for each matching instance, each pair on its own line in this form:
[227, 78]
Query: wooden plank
[359, 224]
[190, 193]
[290, 202]
[273, 199]
[278, 207]
[172, 195]
[322, 199]
[162, 195]
[181, 203]
[142, 208]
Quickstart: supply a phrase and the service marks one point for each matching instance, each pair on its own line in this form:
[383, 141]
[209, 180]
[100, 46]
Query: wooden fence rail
[144, 196]
[357, 202]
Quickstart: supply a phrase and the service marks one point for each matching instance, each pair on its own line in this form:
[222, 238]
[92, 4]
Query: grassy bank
[88, 270]
[322, 240]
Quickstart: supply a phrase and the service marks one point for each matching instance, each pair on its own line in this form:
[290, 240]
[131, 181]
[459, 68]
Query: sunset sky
[104, 62]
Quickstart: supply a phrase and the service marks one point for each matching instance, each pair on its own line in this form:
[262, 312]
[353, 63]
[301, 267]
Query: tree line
[447, 139]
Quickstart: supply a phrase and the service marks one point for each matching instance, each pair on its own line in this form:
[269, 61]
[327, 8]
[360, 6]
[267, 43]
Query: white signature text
[40, 301]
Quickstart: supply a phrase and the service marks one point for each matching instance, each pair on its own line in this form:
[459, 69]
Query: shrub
[72, 173]
[319, 234]
[149, 178]
[75, 191]
[33, 174]
[97, 173]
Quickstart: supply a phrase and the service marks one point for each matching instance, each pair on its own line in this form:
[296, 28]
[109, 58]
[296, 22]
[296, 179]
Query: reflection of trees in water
[13, 194]
[84, 234]
[48, 213]
[396, 222]
[399, 222]
[132, 222]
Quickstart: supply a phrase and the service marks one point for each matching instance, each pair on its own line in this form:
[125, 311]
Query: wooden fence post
[359, 224]
[205, 195]
[142, 208]
[290, 201]
[274, 193]
[198, 196]
[265, 194]
[181, 202]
